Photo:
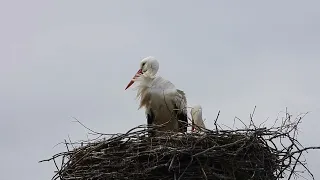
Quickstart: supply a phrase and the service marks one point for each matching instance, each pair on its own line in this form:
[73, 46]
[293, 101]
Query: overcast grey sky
[74, 58]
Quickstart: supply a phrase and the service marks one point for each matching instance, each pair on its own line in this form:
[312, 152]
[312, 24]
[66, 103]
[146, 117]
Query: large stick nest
[241, 154]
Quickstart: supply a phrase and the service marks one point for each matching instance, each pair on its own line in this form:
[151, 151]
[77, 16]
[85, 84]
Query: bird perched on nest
[196, 117]
[165, 105]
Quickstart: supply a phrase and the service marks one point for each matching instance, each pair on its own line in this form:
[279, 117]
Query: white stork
[196, 116]
[165, 105]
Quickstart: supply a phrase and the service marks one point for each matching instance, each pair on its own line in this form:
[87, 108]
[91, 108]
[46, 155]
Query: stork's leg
[182, 118]
[150, 120]
[183, 121]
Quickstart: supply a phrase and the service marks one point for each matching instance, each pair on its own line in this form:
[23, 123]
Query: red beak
[136, 75]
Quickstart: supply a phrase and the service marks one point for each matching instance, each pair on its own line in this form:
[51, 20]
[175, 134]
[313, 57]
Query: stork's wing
[177, 98]
[183, 99]
[152, 87]
[164, 87]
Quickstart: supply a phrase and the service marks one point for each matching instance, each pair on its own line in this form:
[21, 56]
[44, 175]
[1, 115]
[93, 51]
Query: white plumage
[196, 116]
[165, 105]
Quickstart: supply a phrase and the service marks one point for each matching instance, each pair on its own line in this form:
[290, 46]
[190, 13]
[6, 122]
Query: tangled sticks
[250, 153]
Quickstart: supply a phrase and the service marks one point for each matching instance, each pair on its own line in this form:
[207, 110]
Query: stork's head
[149, 66]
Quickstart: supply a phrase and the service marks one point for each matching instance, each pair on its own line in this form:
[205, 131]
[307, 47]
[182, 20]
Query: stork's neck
[145, 81]
[150, 73]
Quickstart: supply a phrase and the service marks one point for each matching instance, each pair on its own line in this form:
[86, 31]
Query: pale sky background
[74, 58]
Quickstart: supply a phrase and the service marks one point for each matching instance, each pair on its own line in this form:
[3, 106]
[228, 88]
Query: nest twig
[240, 154]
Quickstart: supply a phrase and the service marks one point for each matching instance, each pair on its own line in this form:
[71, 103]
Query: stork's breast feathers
[145, 98]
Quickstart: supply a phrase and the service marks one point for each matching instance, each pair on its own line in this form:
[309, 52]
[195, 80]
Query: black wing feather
[150, 120]
[181, 114]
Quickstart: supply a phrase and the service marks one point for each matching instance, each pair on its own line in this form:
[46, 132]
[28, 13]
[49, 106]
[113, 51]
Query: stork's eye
[143, 64]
